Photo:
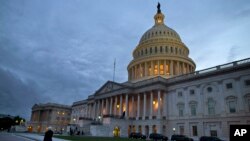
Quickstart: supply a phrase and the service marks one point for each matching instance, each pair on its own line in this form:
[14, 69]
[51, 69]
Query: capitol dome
[160, 31]
[160, 52]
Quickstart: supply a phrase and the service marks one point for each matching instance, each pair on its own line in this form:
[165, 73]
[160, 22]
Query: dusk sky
[61, 51]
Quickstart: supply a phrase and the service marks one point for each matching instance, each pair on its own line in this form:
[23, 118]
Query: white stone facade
[165, 94]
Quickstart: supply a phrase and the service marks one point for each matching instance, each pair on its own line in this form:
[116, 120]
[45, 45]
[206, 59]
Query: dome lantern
[159, 17]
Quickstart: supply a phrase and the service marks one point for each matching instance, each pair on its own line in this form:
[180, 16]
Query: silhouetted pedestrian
[48, 135]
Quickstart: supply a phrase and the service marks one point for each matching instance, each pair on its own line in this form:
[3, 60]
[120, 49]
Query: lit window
[161, 70]
[156, 69]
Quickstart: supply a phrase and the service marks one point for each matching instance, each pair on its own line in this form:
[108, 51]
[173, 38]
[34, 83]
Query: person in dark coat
[48, 135]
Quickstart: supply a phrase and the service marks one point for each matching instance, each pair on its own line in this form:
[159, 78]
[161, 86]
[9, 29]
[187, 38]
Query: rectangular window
[195, 132]
[156, 70]
[181, 128]
[181, 110]
[179, 94]
[155, 49]
[229, 85]
[213, 133]
[193, 110]
[247, 82]
[232, 106]
[161, 69]
[211, 110]
[248, 104]
[191, 92]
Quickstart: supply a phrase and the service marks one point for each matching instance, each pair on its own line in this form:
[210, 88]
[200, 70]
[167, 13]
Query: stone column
[144, 105]
[138, 107]
[151, 105]
[158, 63]
[98, 108]
[150, 129]
[102, 107]
[140, 72]
[115, 106]
[178, 68]
[164, 104]
[94, 112]
[107, 106]
[159, 129]
[126, 106]
[171, 68]
[111, 106]
[164, 68]
[152, 68]
[159, 105]
[133, 73]
[146, 69]
[132, 107]
[183, 70]
[120, 112]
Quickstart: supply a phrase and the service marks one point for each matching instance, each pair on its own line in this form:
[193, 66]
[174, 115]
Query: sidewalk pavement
[36, 137]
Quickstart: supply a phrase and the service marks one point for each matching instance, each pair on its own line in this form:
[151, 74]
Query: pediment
[108, 87]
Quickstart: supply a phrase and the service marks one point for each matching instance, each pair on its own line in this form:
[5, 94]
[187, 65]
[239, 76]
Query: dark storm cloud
[62, 51]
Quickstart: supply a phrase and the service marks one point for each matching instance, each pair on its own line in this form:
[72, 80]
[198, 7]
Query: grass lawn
[87, 138]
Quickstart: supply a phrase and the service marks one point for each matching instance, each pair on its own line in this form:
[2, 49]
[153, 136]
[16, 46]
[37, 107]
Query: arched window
[151, 50]
[161, 49]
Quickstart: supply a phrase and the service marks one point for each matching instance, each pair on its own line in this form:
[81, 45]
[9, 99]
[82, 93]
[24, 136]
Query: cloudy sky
[63, 50]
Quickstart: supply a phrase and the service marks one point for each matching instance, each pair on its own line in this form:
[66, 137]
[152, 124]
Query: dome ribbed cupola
[160, 52]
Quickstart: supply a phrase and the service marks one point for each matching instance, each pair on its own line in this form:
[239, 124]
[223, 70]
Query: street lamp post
[174, 130]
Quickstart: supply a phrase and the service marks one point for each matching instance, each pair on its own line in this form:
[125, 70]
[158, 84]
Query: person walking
[48, 135]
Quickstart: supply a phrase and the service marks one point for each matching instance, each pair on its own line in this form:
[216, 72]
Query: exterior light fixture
[154, 102]
[74, 119]
[117, 106]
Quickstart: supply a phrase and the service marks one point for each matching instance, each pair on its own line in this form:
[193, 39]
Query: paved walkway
[36, 137]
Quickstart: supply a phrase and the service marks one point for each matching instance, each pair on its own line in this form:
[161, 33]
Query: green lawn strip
[85, 138]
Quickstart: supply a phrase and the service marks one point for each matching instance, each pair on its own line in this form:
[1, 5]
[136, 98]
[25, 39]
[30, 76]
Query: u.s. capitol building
[165, 94]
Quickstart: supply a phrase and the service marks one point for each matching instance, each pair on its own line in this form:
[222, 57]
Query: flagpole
[114, 70]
